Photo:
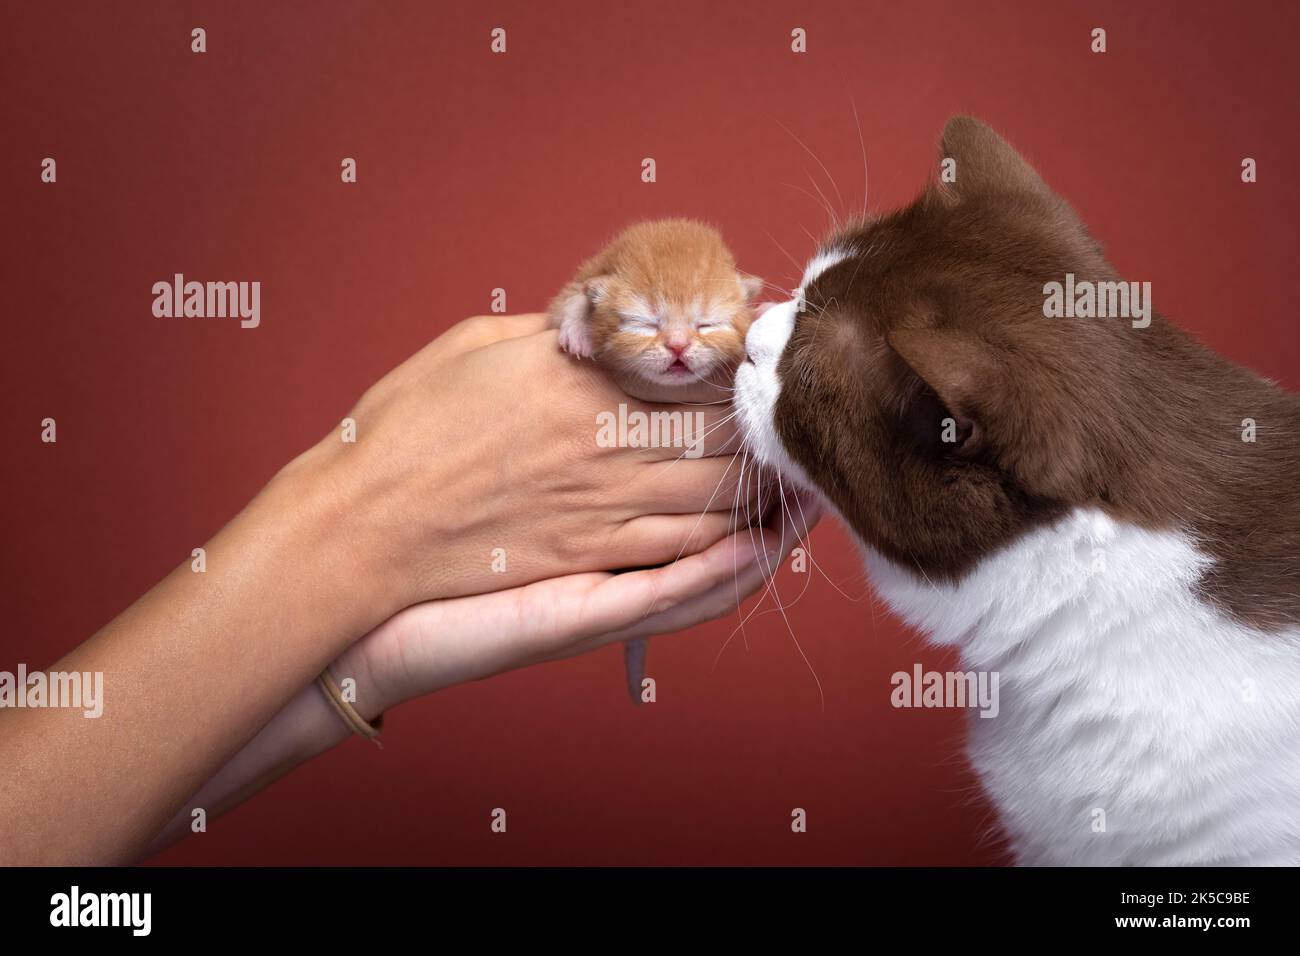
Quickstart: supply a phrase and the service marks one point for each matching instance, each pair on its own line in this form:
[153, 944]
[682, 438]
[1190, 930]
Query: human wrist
[371, 692]
[324, 500]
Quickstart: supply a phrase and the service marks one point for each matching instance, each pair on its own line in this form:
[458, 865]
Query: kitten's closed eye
[637, 324]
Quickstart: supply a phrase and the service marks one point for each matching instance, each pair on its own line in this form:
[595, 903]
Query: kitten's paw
[576, 339]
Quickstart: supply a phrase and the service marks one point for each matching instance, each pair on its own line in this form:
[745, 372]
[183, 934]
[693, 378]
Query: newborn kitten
[663, 309]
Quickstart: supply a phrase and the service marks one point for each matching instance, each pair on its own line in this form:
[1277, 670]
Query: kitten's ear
[957, 370]
[596, 288]
[574, 304]
[982, 162]
[571, 305]
[571, 314]
[751, 287]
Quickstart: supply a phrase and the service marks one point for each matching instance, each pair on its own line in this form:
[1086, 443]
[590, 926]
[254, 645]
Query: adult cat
[1106, 514]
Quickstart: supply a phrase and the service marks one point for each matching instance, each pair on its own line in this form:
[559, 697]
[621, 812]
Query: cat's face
[915, 382]
[672, 337]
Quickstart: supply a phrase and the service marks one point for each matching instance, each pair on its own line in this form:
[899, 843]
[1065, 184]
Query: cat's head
[670, 306]
[915, 382]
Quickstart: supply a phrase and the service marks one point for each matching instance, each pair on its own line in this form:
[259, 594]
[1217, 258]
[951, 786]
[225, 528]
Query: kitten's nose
[677, 345]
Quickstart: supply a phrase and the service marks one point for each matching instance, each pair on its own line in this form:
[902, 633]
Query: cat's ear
[751, 287]
[974, 160]
[951, 405]
[1026, 425]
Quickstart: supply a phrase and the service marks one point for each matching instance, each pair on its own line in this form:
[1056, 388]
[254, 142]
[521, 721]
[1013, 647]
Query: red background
[478, 171]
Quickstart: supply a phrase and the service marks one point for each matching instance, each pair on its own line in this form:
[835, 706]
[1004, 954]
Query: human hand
[441, 643]
[486, 439]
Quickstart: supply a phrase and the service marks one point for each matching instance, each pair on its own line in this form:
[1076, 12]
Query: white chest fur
[1137, 725]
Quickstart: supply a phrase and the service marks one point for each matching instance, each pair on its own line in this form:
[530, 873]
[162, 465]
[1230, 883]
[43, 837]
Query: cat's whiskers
[760, 553]
[735, 559]
[700, 440]
[718, 385]
[756, 473]
[802, 531]
[771, 570]
[835, 217]
[705, 510]
[716, 488]
[772, 286]
[816, 159]
[753, 611]
[862, 145]
[833, 226]
[793, 261]
[785, 510]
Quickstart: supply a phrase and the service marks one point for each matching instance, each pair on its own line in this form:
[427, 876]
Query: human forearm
[432, 487]
[185, 682]
[304, 728]
[441, 643]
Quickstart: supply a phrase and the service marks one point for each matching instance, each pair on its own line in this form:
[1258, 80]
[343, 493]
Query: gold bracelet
[356, 723]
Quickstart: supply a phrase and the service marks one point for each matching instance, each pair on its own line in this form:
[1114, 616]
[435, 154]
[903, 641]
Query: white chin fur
[758, 387]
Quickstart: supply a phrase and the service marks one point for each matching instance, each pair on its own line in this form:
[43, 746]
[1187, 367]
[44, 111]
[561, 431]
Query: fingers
[720, 600]
[659, 539]
[792, 519]
[696, 516]
[798, 512]
[442, 643]
[697, 589]
[439, 644]
[687, 486]
[626, 601]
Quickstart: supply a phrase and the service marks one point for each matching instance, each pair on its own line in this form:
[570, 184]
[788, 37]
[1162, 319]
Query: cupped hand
[440, 643]
[476, 467]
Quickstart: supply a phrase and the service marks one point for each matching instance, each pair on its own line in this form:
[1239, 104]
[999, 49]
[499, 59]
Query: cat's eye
[707, 326]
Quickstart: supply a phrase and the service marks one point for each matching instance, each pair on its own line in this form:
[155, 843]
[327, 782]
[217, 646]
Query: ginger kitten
[665, 311]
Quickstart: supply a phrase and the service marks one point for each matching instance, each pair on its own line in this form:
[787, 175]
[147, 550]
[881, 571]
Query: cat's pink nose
[677, 347]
